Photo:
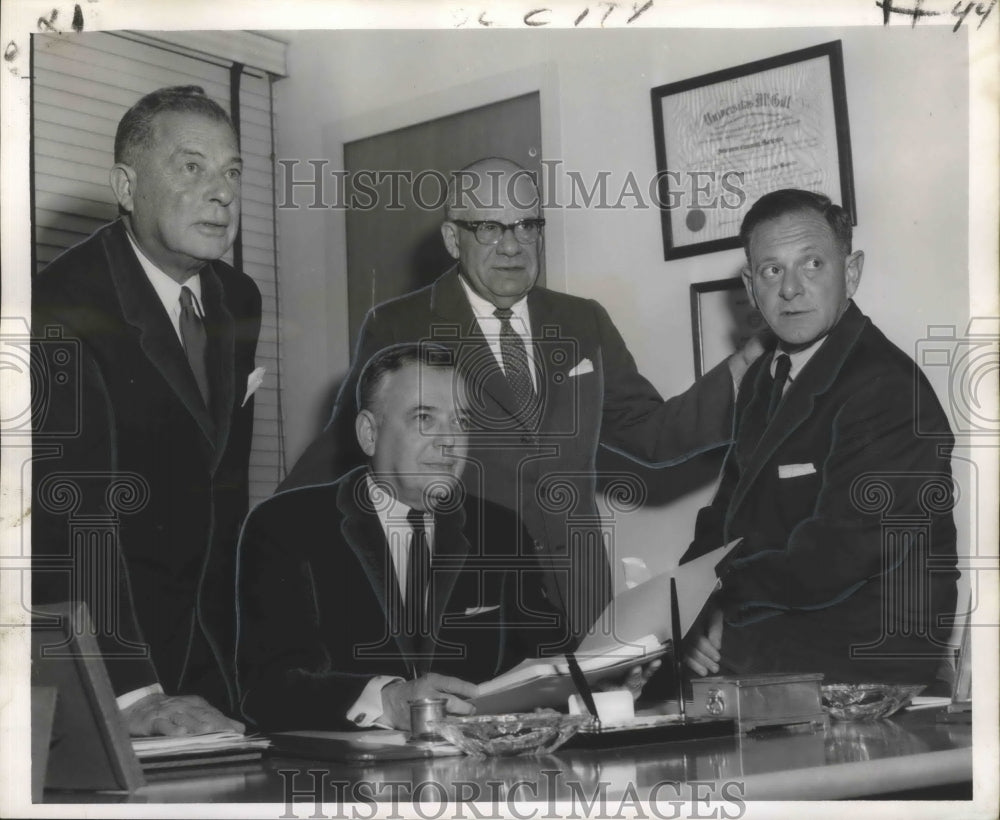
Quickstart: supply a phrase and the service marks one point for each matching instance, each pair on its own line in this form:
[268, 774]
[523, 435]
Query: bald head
[498, 261]
[491, 183]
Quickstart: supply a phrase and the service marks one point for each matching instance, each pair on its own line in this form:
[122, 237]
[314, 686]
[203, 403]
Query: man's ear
[852, 271]
[449, 233]
[747, 275]
[123, 178]
[366, 429]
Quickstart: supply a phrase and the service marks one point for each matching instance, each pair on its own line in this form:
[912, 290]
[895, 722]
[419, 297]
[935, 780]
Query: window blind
[83, 84]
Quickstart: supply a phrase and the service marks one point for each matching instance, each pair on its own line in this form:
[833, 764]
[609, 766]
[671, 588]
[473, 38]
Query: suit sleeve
[639, 423]
[842, 545]
[73, 475]
[285, 672]
[335, 451]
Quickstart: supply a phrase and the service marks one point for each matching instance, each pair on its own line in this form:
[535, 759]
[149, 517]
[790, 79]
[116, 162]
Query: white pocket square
[583, 366]
[479, 610]
[795, 470]
[254, 381]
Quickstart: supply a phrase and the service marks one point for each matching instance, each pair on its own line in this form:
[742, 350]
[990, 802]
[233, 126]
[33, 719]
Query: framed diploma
[725, 139]
[722, 320]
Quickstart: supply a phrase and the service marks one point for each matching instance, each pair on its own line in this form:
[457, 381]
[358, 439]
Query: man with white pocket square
[549, 377]
[164, 335]
[838, 483]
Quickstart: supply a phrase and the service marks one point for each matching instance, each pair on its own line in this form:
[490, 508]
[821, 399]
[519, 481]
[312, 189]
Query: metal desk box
[773, 699]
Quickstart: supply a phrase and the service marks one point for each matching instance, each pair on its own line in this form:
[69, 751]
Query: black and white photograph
[403, 417]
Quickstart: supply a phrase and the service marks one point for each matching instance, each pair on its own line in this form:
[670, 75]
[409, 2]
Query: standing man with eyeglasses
[549, 378]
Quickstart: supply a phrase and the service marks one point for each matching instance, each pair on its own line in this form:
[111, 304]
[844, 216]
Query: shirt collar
[483, 308]
[797, 360]
[387, 507]
[169, 290]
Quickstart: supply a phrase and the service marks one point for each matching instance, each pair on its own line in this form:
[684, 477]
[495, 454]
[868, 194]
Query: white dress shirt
[489, 326]
[391, 512]
[169, 290]
[797, 361]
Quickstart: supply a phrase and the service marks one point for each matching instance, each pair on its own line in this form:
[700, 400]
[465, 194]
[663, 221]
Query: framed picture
[722, 320]
[726, 138]
[90, 749]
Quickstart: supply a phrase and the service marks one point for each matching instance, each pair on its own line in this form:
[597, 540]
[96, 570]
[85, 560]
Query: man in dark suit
[838, 483]
[391, 583]
[164, 336]
[549, 378]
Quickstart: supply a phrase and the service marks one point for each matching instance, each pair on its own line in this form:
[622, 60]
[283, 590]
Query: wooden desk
[848, 760]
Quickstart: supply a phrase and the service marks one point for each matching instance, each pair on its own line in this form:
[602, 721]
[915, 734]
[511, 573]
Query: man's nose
[222, 190]
[791, 284]
[508, 244]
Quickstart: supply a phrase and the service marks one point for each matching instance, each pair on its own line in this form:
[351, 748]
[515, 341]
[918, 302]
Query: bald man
[549, 378]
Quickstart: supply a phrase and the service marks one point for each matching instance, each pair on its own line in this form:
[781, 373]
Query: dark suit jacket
[319, 603]
[853, 549]
[546, 474]
[146, 458]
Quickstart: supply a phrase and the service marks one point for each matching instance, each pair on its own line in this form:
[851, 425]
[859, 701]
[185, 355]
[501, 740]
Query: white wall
[907, 100]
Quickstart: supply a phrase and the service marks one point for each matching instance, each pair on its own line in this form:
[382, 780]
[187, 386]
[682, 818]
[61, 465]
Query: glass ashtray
[867, 701]
[502, 735]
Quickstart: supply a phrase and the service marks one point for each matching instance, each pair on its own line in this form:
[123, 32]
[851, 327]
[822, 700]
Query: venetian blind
[83, 84]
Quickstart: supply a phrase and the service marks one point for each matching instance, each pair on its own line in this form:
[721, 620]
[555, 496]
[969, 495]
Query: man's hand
[746, 356]
[396, 697]
[705, 652]
[158, 714]
[635, 679]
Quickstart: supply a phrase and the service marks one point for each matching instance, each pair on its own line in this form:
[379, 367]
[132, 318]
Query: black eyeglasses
[489, 232]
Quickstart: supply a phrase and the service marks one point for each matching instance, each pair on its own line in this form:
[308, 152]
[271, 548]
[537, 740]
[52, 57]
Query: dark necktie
[195, 342]
[515, 365]
[781, 367]
[418, 574]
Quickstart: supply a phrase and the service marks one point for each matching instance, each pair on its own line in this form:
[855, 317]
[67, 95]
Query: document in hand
[634, 629]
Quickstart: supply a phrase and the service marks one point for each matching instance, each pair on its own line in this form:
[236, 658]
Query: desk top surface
[910, 750]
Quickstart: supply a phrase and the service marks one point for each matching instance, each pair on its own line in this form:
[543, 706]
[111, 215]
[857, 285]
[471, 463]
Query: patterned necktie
[195, 343]
[418, 575]
[781, 367]
[514, 355]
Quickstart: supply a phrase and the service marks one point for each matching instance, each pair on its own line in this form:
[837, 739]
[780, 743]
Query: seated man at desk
[838, 482]
[389, 584]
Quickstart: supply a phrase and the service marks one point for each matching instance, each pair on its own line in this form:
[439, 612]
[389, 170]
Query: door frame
[540, 77]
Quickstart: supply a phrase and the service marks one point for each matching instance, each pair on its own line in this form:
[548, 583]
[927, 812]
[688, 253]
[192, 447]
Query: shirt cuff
[126, 700]
[367, 709]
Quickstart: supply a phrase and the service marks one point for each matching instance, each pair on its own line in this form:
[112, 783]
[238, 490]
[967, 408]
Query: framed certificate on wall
[725, 139]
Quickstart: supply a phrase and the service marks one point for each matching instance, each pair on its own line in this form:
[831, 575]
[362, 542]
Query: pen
[675, 618]
[580, 681]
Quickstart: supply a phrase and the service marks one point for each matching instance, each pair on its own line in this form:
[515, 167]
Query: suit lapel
[364, 535]
[450, 550]
[475, 358]
[796, 408]
[219, 327]
[143, 309]
[555, 356]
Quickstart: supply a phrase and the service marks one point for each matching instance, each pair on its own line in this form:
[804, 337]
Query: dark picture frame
[722, 320]
[90, 749]
[726, 138]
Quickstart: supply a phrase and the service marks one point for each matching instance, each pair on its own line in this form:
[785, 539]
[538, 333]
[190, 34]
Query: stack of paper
[198, 750]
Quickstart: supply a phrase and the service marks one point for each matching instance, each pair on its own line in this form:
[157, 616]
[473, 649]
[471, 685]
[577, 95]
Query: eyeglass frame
[473, 227]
